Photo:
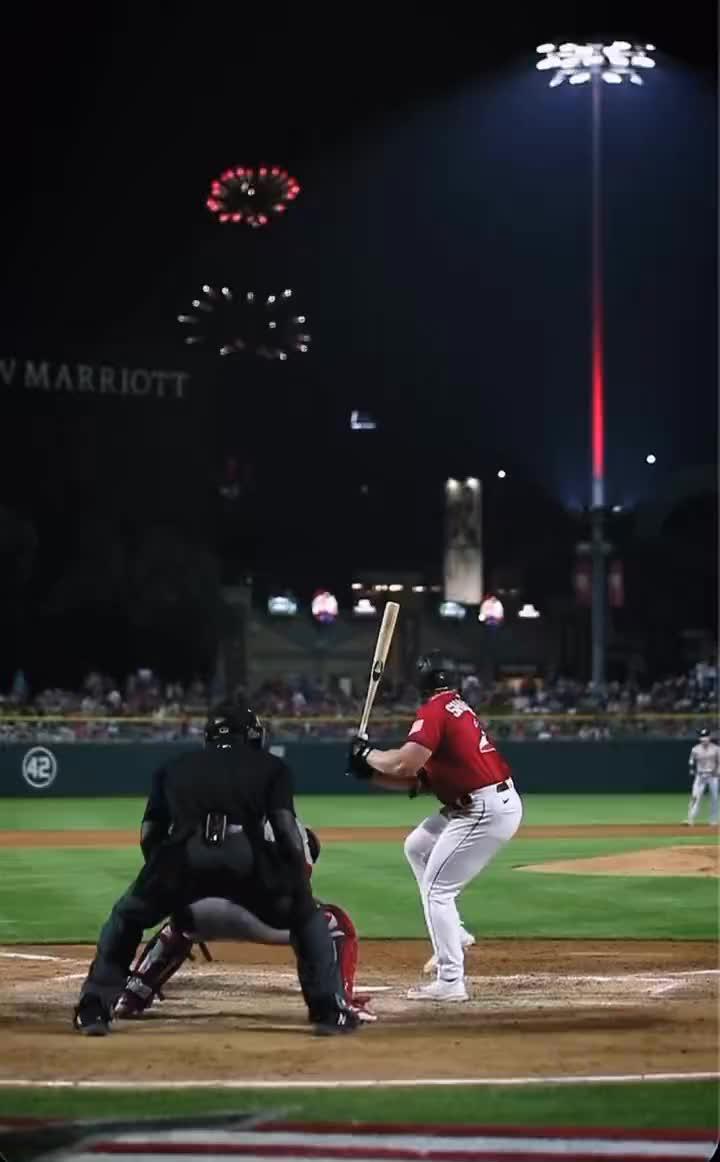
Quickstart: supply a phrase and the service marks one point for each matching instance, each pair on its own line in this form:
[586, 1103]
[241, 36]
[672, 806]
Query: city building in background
[463, 541]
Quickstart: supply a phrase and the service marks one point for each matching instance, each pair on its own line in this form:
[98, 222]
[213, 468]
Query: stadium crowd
[146, 707]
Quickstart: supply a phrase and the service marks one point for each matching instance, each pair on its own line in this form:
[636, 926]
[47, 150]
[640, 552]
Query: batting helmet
[435, 672]
[228, 724]
[704, 733]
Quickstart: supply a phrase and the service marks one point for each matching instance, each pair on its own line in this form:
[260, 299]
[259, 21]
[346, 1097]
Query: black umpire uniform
[202, 834]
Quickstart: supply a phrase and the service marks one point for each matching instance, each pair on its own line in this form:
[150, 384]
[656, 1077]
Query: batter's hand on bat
[358, 765]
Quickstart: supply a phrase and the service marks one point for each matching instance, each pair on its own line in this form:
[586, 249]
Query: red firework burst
[252, 195]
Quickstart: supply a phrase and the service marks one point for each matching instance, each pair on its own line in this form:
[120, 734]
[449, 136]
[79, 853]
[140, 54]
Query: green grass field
[688, 1105]
[377, 809]
[62, 894]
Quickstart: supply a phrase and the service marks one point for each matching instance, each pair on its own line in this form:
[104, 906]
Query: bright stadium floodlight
[600, 65]
[580, 63]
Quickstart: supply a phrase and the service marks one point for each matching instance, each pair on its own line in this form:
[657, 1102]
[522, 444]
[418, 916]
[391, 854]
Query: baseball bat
[382, 649]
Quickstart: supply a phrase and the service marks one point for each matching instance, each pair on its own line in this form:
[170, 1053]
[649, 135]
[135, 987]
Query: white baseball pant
[446, 851]
[701, 783]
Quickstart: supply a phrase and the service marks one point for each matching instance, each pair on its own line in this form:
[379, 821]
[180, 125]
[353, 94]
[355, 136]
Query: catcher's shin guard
[345, 938]
[162, 956]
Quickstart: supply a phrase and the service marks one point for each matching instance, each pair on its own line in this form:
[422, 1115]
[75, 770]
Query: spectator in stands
[558, 708]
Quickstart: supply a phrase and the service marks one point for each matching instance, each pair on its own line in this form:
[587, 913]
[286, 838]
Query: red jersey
[464, 757]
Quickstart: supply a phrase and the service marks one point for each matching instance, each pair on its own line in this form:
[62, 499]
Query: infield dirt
[126, 838]
[538, 1008]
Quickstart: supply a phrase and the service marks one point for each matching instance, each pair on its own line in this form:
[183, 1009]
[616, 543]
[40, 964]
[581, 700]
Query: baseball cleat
[449, 991]
[343, 1018]
[360, 1004]
[135, 999]
[337, 1025]
[91, 1017]
[466, 939]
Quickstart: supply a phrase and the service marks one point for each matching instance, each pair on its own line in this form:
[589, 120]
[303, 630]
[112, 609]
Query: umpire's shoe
[92, 1017]
[341, 1018]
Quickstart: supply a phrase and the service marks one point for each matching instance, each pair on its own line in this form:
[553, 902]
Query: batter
[449, 753]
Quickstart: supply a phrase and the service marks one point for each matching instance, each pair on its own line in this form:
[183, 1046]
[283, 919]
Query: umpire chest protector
[217, 788]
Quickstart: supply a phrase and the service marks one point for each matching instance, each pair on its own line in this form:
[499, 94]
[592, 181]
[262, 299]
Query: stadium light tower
[597, 64]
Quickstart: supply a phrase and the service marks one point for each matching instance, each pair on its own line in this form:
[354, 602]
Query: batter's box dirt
[241, 991]
[538, 1008]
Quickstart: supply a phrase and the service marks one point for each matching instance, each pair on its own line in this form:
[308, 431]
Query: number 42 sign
[39, 768]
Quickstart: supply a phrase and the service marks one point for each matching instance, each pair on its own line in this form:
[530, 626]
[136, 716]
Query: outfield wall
[97, 769]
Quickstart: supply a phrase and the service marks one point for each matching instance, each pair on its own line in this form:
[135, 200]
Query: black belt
[466, 799]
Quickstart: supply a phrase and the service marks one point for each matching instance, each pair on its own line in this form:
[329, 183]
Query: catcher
[221, 918]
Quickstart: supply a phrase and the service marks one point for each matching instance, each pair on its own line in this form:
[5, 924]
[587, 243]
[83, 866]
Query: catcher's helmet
[228, 724]
[435, 672]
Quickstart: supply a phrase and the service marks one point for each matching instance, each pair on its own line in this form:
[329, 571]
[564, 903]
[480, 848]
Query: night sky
[440, 249]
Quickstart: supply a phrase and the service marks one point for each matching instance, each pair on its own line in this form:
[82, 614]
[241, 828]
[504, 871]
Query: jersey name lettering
[457, 708]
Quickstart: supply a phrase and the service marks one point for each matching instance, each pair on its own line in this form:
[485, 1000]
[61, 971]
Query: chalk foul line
[355, 1083]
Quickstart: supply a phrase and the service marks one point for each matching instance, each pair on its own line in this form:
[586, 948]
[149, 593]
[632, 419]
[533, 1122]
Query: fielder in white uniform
[705, 774]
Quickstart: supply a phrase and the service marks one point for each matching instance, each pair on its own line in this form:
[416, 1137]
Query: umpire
[203, 832]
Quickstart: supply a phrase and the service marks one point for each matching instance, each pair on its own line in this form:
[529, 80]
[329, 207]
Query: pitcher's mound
[658, 861]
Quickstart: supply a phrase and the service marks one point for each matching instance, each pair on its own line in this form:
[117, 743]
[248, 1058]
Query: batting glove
[358, 765]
